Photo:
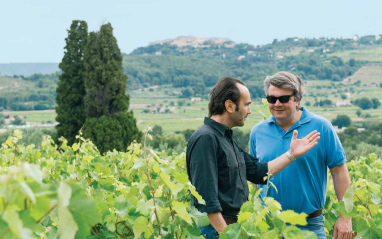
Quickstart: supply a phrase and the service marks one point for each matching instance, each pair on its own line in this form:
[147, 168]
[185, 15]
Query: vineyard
[73, 191]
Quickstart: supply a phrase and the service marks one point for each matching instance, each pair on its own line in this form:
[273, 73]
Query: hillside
[27, 69]
[195, 64]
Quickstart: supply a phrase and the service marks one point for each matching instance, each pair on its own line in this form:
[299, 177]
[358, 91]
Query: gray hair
[285, 80]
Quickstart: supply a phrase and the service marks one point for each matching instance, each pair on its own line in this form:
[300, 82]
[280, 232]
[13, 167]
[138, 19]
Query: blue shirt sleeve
[335, 154]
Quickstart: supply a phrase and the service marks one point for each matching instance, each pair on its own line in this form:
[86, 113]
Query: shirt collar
[221, 128]
[305, 117]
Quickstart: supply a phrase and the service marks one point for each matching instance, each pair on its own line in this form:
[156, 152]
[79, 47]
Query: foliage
[168, 143]
[17, 121]
[75, 192]
[25, 94]
[108, 123]
[366, 103]
[342, 121]
[31, 136]
[362, 200]
[112, 133]
[71, 87]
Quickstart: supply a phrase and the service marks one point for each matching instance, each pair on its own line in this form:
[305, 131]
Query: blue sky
[35, 30]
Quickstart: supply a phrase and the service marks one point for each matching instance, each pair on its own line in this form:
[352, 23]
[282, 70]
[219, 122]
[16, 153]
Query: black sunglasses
[283, 99]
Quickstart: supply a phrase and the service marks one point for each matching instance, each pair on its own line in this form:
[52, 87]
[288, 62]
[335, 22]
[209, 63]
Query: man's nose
[278, 103]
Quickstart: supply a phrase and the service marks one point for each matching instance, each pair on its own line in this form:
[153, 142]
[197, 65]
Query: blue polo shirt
[301, 185]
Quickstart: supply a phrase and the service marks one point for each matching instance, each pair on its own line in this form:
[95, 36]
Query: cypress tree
[71, 88]
[108, 123]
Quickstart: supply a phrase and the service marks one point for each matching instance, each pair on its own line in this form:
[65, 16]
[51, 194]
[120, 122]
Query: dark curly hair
[225, 89]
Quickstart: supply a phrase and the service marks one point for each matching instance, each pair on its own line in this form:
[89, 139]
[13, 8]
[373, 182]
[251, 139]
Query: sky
[34, 31]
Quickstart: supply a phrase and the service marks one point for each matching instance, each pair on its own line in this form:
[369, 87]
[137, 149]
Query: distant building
[241, 57]
[195, 99]
[343, 103]
[343, 128]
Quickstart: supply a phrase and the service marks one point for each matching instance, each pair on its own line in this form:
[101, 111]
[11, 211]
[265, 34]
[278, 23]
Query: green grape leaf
[141, 225]
[201, 219]
[11, 216]
[180, 209]
[145, 207]
[232, 231]
[293, 232]
[52, 233]
[348, 199]
[289, 216]
[64, 194]
[365, 230]
[197, 195]
[244, 216]
[138, 163]
[158, 159]
[272, 204]
[272, 234]
[84, 211]
[375, 198]
[263, 226]
[100, 168]
[27, 191]
[67, 227]
[173, 187]
[30, 222]
[192, 232]
[33, 171]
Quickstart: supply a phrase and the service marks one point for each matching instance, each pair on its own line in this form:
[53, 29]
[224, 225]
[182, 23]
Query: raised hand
[299, 147]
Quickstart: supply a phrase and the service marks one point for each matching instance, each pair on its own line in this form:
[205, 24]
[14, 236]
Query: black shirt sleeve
[255, 170]
[204, 172]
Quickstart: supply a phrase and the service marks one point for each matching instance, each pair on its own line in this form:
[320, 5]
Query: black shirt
[219, 169]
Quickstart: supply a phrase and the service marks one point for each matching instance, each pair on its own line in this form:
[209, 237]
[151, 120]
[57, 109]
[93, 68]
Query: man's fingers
[334, 232]
[315, 139]
[294, 134]
[311, 134]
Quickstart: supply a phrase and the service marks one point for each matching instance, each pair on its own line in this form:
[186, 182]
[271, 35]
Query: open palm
[299, 147]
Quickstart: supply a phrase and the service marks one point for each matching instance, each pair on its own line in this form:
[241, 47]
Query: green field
[183, 114]
[370, 54]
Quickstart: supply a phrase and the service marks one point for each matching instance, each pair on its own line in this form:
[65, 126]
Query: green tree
[364, 103]
[342, 121]
[376, 103]
[187, 93]
[71, 89]
[108, 123]
[17, 121]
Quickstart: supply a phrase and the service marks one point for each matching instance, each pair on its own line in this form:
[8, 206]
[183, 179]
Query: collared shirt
[302, 185]
[219, 169]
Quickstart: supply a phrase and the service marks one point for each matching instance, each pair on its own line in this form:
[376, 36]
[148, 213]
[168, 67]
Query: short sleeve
[335, 154]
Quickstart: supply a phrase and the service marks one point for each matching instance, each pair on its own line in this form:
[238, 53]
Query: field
[177, 114]
[370, 54]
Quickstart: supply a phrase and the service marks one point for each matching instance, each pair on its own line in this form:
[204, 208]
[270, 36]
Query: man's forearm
[278, 164]
[217, 221]
[341, 180]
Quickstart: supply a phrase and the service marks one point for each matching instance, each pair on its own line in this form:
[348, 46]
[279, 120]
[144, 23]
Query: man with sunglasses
[302, 186]
[218, 168]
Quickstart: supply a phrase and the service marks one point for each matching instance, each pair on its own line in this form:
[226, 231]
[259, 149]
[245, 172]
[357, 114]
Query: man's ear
[229, 106]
